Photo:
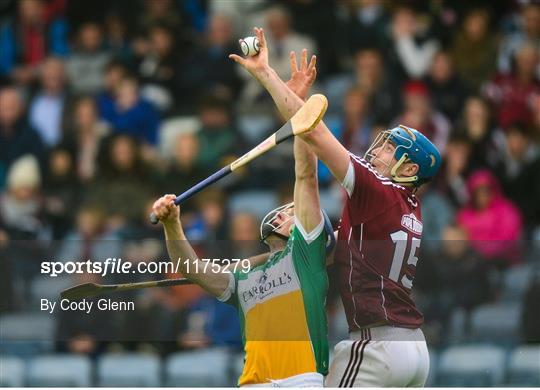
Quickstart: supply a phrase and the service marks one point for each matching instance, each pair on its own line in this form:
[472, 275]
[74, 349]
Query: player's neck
[275, 243]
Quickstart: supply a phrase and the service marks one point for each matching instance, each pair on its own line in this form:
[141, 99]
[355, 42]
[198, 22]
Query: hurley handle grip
[195, 189]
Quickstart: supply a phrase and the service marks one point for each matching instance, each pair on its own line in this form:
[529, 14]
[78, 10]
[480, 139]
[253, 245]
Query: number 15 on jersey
[401, 238]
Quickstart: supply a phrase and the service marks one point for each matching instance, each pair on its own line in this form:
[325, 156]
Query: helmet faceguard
[267, 224]
[410, 146]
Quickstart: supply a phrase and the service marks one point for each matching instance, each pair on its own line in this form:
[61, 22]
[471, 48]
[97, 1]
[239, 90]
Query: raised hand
[257, 65]
[302, 79]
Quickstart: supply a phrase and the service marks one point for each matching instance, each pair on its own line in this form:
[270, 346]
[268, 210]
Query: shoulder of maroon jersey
[383, 179]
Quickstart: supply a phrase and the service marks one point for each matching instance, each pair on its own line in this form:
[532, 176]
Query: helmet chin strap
[401, 179]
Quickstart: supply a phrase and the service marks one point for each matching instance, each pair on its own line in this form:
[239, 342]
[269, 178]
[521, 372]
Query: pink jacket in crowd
[494, 229]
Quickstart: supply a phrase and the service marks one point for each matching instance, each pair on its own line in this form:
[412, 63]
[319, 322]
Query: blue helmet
[411, 145]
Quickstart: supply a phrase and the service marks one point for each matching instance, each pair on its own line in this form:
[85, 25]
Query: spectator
[160, 12]
[272, 171]
[183, 172]
[519, 171]
[90, 238]
[478, 127]
[370, 76]
[322, 21]
[210, 323]
[157, 68]
[451, 278]
[116, 37]
[355, 127]
[82, 334]
[48, 107]
[365, 24]
[217, 137]
[437, 214]
[492, 221]
[115, 72]
[282, 39]
[411, 47]
[244, 228]
[528, 33]
[141, 232]
[455, 168]
[122, 176]
[512, 95]
[244, 14]
[208, 70]
[85, 66]
[61, 192]
[17, 137]
[419, 114]
[84, 136]
[132, 114]
[474, 49]
[445, 86]
[20, 206]
[211, 207]
[29, 38]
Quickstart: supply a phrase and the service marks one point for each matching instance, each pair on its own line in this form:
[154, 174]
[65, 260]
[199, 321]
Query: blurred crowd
[106, 105]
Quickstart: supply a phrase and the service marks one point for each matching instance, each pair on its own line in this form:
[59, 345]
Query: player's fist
[166, 211]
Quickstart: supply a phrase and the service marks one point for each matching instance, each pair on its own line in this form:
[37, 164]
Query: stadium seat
[471, 366]
[524, 367]
[257, 202]
[25, 349]
[237, 367]
[11, 372]
[516, 280]
[433, 360]
[204, 368]
[497, 322]
[26, 334]
[60, 371]
[256, 127]
[128, 370]
[27, 326]
[456, 333]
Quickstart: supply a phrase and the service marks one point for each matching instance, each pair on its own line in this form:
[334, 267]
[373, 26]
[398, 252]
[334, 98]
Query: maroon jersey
[378, 240]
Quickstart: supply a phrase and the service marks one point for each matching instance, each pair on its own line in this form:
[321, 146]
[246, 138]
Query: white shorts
[310, 379]
[384, 356]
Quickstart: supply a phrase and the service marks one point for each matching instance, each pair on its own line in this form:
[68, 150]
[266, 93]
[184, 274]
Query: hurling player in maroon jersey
[378, 241]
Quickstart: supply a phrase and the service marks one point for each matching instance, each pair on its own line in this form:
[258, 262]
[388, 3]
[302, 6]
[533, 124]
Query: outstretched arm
[320, 140]
[210, 277]
[306, 190]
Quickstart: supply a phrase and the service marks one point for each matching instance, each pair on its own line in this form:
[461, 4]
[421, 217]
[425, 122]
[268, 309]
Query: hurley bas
[87, 306]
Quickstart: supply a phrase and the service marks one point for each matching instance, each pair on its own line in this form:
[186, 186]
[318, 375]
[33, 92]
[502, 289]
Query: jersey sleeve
[229, 294]
[369, 192]
[309, 247]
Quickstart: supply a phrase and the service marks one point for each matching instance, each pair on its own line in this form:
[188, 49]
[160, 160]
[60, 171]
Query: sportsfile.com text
[113, 265]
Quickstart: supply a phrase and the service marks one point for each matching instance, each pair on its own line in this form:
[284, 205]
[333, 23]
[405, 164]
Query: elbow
[309, 137]
[315, 136]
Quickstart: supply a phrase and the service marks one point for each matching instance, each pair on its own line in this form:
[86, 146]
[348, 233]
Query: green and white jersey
[282, 309]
